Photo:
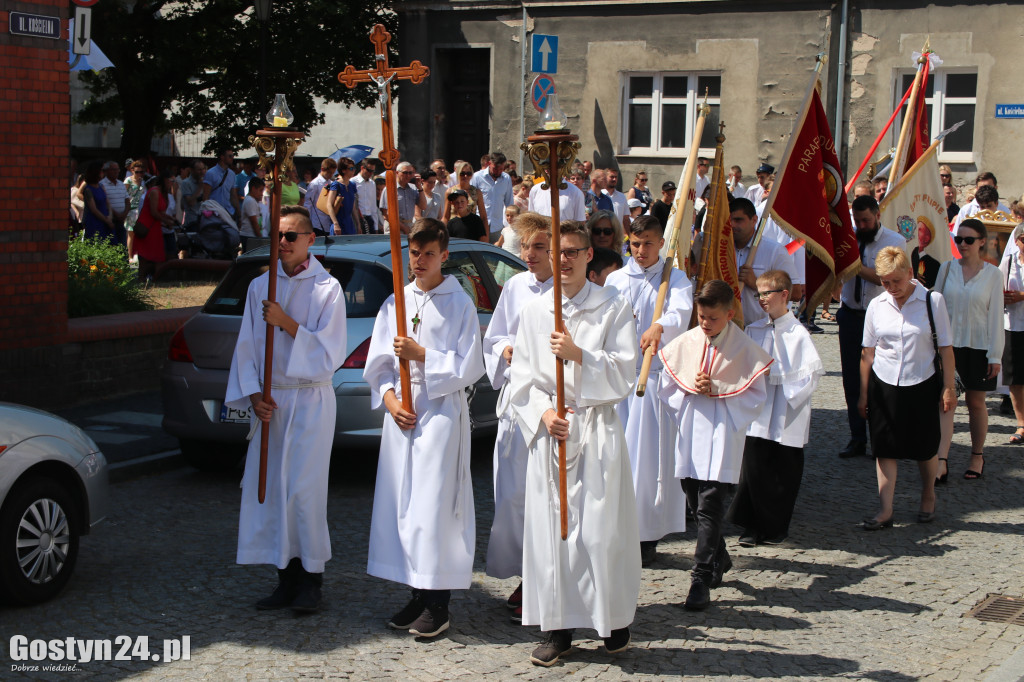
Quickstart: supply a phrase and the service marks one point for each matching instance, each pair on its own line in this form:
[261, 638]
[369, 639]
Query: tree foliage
[195, 64]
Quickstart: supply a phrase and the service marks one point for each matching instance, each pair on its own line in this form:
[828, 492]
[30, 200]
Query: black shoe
[813, 328]
[515, 600]
[855, 448]
[287, 587]
[309, 596]
[720, 568]
[871, 524]
[748, 539]
[558, 643]
[618, 641]
[1006, 407]
[404, 619]
[776, 539]
[925, 517]
[433, 621]
[699, 596]
[648, 552]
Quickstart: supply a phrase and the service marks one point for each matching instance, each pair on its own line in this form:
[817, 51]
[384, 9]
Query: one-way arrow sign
[545, 53]
[81, 42]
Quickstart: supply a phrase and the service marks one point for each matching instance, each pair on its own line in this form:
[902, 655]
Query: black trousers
[709, 501]
[433, 597]
[769, 482]
[851, 334]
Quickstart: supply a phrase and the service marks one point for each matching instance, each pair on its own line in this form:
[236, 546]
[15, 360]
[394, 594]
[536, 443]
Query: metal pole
[522, 86]
[841, 80]
[263, 66]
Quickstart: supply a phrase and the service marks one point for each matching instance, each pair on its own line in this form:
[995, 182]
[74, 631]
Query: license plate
[232, 415]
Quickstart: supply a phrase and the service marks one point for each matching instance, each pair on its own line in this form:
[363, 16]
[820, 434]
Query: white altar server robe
[505, 547]
[592, 579]
[292, 521]
[423, 531]
[650, 429]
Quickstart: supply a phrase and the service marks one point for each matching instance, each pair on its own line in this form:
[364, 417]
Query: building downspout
[522, 86]
[841, 78]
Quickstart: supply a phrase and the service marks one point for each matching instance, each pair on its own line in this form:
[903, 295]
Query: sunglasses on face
[606, 231]
[290, 237]
[945, 175]
[465, 174]
[965, 240]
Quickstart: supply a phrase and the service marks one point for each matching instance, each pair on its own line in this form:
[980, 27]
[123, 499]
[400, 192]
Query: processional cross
[382, 75]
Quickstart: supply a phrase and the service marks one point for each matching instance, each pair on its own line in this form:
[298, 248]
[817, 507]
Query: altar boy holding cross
[423, 531]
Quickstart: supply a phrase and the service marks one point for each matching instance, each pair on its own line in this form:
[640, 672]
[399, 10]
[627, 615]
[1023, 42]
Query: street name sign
[1010, 111]
[35, 25]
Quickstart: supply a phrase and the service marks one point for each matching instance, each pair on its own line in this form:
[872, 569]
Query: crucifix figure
[381, 76]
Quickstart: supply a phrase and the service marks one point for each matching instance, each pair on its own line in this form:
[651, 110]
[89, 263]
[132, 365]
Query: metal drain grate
[999, 609]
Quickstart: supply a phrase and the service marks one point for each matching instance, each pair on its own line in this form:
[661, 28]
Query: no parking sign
[543, 85]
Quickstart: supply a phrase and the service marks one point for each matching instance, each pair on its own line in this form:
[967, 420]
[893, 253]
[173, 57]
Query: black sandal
[1018, 437]
[971, 474]
[944, 477]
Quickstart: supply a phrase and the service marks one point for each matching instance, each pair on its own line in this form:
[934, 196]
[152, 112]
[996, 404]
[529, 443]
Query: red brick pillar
[34, 184]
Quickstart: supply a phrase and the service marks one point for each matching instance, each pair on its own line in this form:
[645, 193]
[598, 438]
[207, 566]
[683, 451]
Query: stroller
[212, 237]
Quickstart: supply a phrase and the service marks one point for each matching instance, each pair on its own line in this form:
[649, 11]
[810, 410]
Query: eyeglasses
[466, 174]
[703, 165]
[406, 172]
[766, 294]
[945, 175]
[965, 240]
[290, 237]
[571, 254]
[606, 231]
[641, 179]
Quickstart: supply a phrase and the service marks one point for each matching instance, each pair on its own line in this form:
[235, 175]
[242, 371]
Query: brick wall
[34, 187]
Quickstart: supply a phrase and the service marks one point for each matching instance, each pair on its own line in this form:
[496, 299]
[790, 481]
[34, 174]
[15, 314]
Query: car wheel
[212, 456]
[39, 532]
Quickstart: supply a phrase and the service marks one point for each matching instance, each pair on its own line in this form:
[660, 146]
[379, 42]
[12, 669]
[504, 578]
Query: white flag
[916, 209]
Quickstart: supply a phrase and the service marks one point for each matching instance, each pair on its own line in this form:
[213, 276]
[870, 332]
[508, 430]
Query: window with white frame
[951, 95]
[660, 109]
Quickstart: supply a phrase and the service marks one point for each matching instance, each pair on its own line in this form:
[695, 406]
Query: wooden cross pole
[382, 75]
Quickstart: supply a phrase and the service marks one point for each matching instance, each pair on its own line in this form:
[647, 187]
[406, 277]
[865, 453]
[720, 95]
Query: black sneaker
[775, 540]
[618, 641]
[813, 328]
[558, 644]
[515, 600]
[748, 539]
[719, 569]
[281, 597]
[699, 596]
[404, 619]
[648, 552]
[309, 596]
[433, 621]
[517, 615]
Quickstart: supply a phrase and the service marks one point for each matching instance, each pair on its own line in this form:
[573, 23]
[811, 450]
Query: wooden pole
[898, 158]
[676, 223]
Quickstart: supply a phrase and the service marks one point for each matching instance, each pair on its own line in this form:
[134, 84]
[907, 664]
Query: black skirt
[904, 420]
[972, 367]
[1013, 359]
[769, 483]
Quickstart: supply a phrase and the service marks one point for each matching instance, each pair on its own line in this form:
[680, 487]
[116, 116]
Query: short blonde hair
[890, 259]
[777, 279]
[529, 224]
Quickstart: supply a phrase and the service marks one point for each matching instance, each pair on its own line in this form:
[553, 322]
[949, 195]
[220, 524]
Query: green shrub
[100, 282]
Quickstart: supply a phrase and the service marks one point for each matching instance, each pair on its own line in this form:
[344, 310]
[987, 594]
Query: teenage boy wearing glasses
[409, 198]
[289, 530]
[592, 580]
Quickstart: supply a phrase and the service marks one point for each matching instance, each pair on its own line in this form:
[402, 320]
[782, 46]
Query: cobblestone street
[831, 602]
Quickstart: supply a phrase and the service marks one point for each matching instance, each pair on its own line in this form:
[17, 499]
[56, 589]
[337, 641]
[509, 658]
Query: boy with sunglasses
[650, 431]
[592, 579]
[423, 532]
[289, 529]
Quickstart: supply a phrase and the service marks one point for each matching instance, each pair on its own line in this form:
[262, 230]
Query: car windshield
[366, 287]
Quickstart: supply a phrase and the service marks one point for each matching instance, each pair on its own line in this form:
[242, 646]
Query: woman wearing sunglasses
[973, 290]
[639, 191]
[464, 173]
[605, 231]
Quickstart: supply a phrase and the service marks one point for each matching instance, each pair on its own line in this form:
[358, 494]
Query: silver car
[53, 489]
[194, 378]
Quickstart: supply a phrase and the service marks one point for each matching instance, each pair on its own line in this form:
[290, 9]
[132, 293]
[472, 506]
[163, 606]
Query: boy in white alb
[715, 387]
[289, 529]
[650, 431]
[773, 455]
[505, 548]
[423, 530]
[591, 579]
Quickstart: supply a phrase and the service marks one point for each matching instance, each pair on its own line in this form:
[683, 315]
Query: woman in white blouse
[973, 290]
[901, 385]
[1012, 270]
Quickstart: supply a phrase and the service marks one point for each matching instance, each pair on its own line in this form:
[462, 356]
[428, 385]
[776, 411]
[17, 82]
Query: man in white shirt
[410, 198]
[496, 186]
[443, 176]
[702, 180]
[251, 224]
[117, 199]
[571, 205]
[755, 192]
[366, 193]
[612, 192]
[856, 293]
[771, 255]
[321, 221]
[736, 188]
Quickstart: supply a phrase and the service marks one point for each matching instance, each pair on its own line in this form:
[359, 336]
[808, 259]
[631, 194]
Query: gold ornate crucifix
[381, 76]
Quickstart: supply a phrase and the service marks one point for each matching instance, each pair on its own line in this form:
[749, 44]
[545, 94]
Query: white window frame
[656, 100]
[938, 102]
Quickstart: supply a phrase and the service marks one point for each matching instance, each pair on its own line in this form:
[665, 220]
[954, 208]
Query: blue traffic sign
[1010, 111]
[544, 53]
[35, 25]
[542, 87]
